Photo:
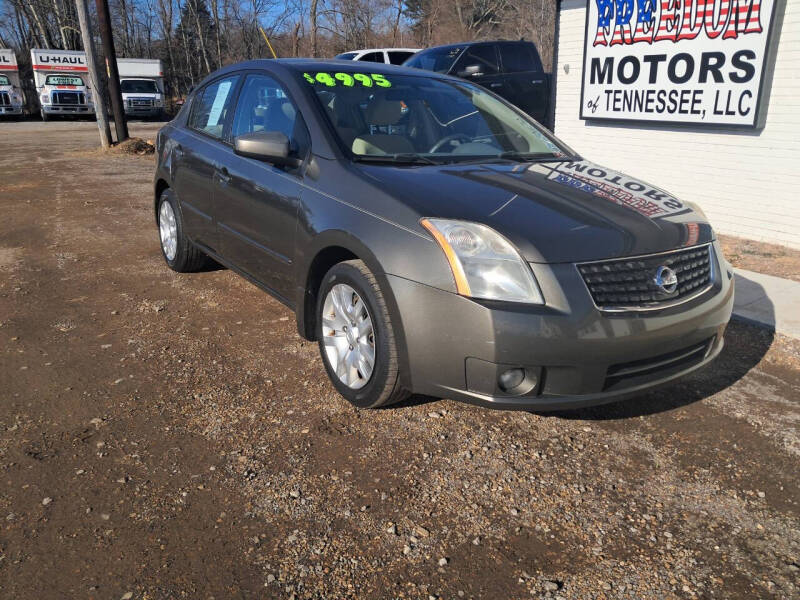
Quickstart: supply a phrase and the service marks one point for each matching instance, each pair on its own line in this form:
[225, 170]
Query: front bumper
[139, 111]
[579, 356]
[68, 109]
[10, 110]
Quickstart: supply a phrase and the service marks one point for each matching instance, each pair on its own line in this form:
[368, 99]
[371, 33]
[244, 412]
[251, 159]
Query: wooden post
[94, 76]
[106, 35]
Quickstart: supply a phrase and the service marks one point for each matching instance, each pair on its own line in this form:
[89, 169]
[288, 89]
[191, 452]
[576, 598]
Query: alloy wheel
[168, 229]
[348, 336]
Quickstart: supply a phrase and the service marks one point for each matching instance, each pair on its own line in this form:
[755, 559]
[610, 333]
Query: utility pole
[104, 21]
[94, 75]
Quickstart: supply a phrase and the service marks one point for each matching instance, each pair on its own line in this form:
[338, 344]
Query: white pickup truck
[141, 82]
[62, 82]
[11, 99]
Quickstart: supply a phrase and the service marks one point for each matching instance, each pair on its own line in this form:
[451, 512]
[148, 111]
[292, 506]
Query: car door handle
[497, 84]
[223, 174]
[537, 81]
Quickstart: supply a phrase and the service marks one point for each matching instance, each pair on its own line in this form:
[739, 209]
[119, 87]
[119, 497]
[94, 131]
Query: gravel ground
[170, 436]
[772, 259]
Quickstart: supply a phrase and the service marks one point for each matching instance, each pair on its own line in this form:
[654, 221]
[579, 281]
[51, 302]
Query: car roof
[299, 65]
[380, 50]
[478, 43]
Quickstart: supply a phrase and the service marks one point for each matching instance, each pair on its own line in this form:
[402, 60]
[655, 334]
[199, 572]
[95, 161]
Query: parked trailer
[62, 82]
[12, 101]
[142, 84]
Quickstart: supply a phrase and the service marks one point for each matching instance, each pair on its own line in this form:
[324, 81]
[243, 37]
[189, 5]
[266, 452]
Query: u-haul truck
[11, 99]
[141, 81]
[62, 82]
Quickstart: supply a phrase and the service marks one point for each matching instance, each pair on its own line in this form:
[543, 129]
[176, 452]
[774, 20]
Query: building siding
[746, 181]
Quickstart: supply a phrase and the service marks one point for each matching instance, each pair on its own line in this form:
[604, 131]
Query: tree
[194, 37]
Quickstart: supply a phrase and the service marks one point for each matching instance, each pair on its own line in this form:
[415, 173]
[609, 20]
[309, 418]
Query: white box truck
[141, 81]
[62, 83]
[12, 101]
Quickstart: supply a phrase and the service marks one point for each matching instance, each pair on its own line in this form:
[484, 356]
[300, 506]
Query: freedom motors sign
[677, 61]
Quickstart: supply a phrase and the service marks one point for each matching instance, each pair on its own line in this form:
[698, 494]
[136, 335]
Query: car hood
[568, 211]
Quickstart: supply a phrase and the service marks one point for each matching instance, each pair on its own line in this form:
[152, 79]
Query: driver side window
[264, 106]
[484, 57]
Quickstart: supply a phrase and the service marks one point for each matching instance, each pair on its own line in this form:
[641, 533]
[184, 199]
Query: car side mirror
[471, 71]
[269, 146]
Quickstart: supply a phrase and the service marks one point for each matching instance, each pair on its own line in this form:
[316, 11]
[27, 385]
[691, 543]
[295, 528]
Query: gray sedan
[436, 240]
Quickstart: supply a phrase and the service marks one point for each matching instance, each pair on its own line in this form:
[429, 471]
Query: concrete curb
[769, 301]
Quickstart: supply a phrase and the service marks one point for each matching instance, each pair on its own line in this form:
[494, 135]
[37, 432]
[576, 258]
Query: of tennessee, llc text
[675, 102]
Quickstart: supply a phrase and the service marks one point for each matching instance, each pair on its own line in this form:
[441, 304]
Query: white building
[707, 143]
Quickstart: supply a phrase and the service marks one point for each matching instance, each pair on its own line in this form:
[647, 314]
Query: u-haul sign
[8, 60]
[677, 61]
[58, 60]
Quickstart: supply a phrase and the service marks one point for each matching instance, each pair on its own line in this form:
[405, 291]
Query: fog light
[511, 379]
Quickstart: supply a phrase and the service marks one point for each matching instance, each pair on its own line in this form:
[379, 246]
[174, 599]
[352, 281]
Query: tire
[382, 387]
[184, 257]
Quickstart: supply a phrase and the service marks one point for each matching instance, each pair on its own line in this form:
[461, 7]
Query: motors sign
[676, 61]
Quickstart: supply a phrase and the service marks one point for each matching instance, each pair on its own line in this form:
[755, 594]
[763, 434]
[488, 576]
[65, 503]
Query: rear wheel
[178, 251]
[356, 337]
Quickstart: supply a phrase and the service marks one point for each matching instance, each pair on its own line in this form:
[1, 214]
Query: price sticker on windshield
[348, 79]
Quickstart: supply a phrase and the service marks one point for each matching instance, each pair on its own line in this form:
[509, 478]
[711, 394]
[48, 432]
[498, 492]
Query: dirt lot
[771, 259]
[170, 436]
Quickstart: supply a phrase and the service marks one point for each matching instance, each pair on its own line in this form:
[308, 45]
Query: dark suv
[512, 70]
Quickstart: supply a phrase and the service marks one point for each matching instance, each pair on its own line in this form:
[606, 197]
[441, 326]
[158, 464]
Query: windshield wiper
[402, 158]
[534, 156]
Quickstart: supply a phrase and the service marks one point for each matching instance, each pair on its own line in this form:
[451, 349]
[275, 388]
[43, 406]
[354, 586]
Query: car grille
[141, 102]
[67, 98]
[638, 372]
[630, 283]
[4, 99]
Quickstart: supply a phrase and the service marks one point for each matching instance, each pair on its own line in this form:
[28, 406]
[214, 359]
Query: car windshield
[138, 86]
[407, 118]
[439, 60]
[4, 80]
[63, 80]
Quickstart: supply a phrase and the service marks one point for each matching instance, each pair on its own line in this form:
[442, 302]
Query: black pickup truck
[511, 69]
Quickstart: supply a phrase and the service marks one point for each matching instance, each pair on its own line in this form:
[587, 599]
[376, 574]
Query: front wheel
[356, 337]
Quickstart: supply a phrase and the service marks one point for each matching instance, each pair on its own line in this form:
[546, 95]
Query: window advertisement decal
[219, 103]
[677, 61]
[347, 79]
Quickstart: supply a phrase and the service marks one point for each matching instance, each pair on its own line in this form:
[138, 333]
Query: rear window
[519, 57]
[372, 57]
[436, 59]
[212, 106]
[398, 58]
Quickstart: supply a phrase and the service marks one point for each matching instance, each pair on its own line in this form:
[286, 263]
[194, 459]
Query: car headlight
[483, 262]
[45, 99]
[16, 98]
